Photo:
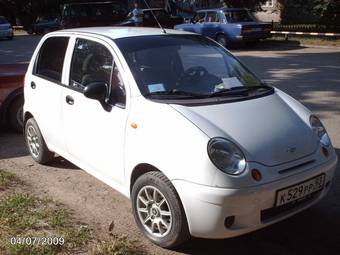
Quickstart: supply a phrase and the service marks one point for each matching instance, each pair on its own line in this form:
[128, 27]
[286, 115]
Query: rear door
[95, 133]
[43, 90]
[211, 25]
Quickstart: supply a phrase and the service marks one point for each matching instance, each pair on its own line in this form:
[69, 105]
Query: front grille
[273, 213]
[293, 168]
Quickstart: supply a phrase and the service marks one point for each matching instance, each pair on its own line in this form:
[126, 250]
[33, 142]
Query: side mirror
[96, 91]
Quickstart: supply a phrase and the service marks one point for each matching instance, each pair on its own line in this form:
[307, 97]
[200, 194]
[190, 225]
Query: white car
[6, 30]
[177, 124]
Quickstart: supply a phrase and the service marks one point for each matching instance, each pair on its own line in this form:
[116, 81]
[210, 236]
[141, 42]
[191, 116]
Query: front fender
[168, 141]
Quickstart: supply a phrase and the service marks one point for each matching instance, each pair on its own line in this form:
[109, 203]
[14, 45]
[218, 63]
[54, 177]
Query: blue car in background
[44, 26]
[227, 25]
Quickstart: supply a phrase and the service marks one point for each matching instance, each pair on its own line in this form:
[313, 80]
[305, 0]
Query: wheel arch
[139, 170]
[7, 103]
[220, 33]
[27, 116]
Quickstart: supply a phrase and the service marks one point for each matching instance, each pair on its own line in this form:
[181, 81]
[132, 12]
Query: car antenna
[154, 16]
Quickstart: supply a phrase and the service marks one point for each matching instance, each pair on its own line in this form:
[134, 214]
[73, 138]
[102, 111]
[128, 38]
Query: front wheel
[36, 143]
[222, 39]
[158, 211]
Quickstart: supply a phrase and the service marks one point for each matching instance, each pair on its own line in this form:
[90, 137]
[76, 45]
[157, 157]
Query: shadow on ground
[313, 78]
[314, 231]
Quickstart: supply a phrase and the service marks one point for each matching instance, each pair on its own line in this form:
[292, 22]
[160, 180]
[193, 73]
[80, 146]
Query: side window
[91, 62]
[51, 58]
[199, 17]
[212, 17]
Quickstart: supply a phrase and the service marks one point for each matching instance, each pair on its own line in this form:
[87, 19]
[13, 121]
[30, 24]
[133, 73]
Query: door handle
[33, 85]
[69, 100]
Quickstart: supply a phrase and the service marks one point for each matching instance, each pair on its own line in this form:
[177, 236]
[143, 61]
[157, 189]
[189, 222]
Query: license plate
[257, 29]
[300, 191]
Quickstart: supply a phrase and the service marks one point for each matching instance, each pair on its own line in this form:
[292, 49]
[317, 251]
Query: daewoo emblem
[291, 150]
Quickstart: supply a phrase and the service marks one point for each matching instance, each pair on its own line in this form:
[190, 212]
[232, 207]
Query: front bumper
[207, 207]
[250, 37]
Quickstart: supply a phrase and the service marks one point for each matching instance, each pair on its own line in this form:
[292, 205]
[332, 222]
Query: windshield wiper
[239, 91]
[179, 93]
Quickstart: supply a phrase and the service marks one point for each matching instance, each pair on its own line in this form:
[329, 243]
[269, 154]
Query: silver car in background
[6, 29]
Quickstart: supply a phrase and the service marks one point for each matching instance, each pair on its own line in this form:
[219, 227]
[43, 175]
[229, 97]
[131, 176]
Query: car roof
[223, 9]
[120, 32]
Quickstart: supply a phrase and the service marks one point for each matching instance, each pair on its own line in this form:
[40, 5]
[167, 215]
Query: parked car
[163, 17]
[177, 124]
[6, 29]
[93, 14]
[44, 26]
[12, 95]
[228, 25]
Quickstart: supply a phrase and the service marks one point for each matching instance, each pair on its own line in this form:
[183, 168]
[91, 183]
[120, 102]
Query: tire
[36, 144]
[15, 114]
[46, 31]
[222, 39]
[174, 230]
[30, 31]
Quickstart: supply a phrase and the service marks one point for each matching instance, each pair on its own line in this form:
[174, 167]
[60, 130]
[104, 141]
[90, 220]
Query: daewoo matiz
[176, 123]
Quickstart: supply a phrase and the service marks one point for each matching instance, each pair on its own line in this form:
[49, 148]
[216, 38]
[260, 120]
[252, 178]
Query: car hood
[267, 129]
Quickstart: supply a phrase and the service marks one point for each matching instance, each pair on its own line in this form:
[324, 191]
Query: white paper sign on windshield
[231, 82]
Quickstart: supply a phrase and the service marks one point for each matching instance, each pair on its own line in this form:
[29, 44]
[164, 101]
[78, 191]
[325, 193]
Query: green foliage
[322, 12]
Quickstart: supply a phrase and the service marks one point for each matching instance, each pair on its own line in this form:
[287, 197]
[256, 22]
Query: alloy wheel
[33, 141]
[154, 211]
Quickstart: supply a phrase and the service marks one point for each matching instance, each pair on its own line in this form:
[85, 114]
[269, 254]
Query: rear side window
[51, 58]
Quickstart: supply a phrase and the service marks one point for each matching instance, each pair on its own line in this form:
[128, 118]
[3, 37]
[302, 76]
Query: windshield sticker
[156, 87]
[231, 82]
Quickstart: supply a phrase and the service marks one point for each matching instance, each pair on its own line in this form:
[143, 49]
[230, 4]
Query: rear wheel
[158, 211]
[15, 114]
[222, 39]
[36, 144]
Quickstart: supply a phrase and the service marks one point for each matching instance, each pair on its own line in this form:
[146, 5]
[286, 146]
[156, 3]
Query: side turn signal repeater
[134, 125]
[256, 174]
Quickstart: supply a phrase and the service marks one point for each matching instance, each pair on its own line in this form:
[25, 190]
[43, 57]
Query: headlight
[226, 156]
[319, 130]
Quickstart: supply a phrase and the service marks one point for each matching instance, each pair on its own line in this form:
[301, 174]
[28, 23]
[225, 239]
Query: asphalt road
[311, 75]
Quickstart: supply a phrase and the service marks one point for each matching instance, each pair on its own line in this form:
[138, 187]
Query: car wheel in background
[30, 31]
[36, 143]
[158, 211]
[46, 31]
[222, 39]
[15, 114]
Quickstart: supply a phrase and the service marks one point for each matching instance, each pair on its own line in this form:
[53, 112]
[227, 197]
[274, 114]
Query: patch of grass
[121, 245]
[8, 180]
[25, 215]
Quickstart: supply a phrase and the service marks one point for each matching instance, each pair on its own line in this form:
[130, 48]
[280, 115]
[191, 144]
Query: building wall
[270, 12]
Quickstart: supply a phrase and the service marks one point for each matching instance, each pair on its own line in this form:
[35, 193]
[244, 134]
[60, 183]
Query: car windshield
[3, 20]
[238, 16]
[181, 65]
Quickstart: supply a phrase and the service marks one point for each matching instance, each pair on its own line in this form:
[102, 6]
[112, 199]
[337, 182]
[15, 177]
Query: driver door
[95, 134]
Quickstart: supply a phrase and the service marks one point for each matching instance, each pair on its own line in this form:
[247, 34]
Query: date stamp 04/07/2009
[51, 240]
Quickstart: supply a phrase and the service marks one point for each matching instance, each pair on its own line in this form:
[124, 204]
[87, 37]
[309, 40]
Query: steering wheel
[193, 74]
